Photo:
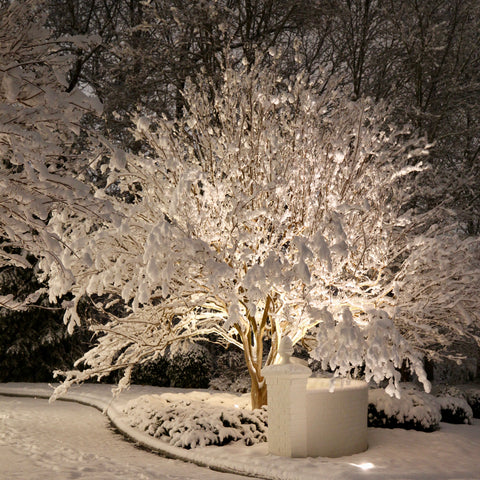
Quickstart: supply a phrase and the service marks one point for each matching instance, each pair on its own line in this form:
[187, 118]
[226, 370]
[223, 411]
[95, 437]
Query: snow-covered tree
[39, 123]
[265, 211]
[437, 290]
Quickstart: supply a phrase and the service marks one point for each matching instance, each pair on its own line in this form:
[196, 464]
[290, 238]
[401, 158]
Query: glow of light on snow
[364, 466]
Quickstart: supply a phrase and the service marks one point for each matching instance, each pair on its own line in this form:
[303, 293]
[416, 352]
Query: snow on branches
[39, 122]
[265, 211]
[437, 291]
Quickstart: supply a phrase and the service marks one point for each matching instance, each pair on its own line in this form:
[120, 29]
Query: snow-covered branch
[40, 171]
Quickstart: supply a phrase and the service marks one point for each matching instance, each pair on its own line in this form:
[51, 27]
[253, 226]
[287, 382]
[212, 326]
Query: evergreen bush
[34, 342]
[191, 369]
[473, 398]
[453, 404]
[152, 373]
[181, 369]
[415, 410]
[455, 409]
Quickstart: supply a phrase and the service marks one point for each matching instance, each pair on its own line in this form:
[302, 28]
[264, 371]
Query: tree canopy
[265, 211]
[41, 170]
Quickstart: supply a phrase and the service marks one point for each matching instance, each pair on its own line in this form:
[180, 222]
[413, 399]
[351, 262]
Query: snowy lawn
[448, 453]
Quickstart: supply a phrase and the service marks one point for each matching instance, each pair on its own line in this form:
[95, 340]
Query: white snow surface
[70, 441]
[65, 441]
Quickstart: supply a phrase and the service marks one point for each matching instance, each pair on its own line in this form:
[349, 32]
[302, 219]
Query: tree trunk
[258, 393]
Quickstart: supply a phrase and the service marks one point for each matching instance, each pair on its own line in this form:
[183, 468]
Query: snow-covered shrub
[450, 390]
[415, 410]
[454, 409]
[473, 398]
[454, 404]
[198, 419]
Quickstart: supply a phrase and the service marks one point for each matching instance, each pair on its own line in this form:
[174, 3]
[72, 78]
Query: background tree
[34, 340]
[149, 49]
[423, 58]
[40, 169]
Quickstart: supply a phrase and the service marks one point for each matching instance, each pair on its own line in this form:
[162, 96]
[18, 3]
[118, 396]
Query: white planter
[336, 420]
[307, 418]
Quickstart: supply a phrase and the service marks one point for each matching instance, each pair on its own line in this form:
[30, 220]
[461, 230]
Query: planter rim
[339, 384]
[286, 370]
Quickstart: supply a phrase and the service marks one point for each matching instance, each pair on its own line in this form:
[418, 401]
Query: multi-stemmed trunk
[258, 393]
[252, 341]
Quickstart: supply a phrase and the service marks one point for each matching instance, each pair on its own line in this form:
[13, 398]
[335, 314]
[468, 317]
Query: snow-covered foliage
[419, 410]
[454, 403]
[449, 390]
[454, 409]
[198, 419]
[265, 211]
[472, 394]
[378, 347]
[437, 289]
[413, 410]
[39, 120]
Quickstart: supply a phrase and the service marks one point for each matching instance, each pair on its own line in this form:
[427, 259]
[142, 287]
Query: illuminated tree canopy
[40, 170]
[265, 211]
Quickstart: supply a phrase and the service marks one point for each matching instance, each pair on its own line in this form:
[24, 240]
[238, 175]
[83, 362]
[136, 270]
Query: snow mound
[414, 410]
[198, 419]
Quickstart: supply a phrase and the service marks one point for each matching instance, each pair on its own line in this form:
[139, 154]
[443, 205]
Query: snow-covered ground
[66, 441]
[71, 441]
